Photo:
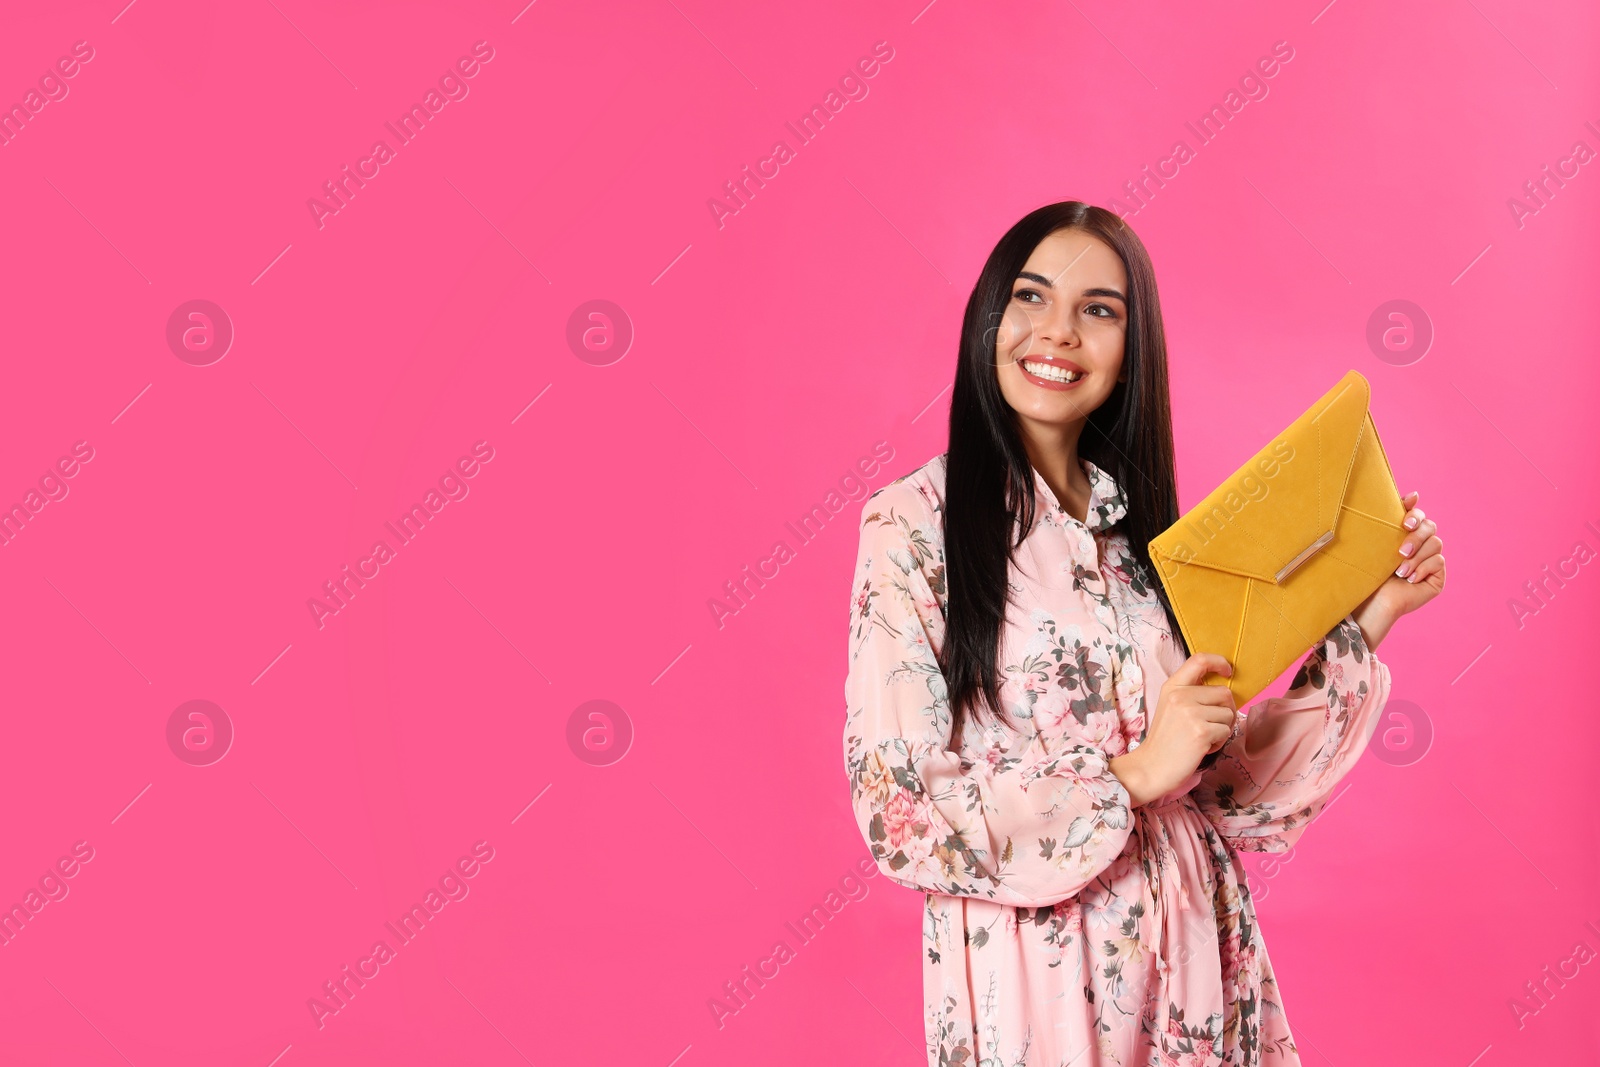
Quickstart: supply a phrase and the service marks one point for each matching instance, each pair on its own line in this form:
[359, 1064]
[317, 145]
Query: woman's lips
[1052, 383]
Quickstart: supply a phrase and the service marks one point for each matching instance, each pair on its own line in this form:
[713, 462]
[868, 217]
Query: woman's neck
[1053, 451]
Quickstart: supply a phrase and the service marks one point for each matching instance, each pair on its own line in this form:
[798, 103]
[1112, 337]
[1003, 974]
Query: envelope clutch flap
[1307, 468]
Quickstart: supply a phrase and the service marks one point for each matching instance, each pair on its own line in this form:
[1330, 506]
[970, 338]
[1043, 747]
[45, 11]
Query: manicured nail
[1412, 578]
[1411, 523]
[1407, 548]
[1400, 571]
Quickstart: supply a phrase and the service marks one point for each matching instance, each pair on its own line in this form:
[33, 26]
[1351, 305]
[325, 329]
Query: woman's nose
[1056, 326]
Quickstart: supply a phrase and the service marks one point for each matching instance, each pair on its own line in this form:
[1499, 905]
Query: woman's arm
[1279, 771]
[1280, 768]
[1373, 622]
[1025, 830]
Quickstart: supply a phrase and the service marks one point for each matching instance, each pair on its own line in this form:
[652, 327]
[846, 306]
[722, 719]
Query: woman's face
[1058, 348]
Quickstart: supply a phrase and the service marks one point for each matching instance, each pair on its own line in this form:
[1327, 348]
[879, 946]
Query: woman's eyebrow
[1042, 280]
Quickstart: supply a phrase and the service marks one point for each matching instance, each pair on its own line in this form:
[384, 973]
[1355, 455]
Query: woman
[1025, 730]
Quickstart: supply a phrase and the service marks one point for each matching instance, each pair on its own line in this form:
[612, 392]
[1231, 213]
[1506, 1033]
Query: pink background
[769, 356]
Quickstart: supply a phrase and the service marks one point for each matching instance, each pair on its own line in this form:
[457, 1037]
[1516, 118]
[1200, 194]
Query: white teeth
[1055, 374]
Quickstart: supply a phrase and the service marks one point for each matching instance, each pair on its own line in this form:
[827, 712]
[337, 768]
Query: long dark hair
[989, 481]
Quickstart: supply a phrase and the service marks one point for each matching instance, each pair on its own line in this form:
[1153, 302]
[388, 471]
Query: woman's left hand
[1418, 578]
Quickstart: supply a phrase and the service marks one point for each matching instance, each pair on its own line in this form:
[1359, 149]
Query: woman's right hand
[1190, 721]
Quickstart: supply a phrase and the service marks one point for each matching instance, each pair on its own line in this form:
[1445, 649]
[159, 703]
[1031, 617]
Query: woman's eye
[1109, 314]
[1028, 296]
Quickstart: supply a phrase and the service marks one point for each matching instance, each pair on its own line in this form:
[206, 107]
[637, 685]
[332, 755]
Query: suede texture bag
[1262, 568]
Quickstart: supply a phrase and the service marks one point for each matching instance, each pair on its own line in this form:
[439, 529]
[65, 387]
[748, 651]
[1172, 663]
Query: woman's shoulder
[918, 495]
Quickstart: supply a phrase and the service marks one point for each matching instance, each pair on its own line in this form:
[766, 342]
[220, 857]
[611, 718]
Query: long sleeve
[1278, 772]
[1025, 829]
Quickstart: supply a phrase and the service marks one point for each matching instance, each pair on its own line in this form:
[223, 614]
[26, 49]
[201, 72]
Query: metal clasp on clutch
[1288, 568]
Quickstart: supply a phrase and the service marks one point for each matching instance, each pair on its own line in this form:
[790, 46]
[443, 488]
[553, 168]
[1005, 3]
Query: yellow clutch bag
[1259, 571]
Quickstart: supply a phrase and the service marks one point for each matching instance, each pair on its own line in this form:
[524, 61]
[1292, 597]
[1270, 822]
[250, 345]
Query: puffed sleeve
[1280, 768]
[1024, 831]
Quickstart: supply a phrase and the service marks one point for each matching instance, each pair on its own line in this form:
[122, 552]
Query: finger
[1424, 530]
[1410, 500]
[1408, 547]
[1219, 737]
[1211, 696]
[1433, 565]
[1198, 666]
[1414, 516]
[1428, 549]
[1220, 714]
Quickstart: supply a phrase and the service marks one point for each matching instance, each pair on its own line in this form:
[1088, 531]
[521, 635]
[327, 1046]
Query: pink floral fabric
[1062, 926]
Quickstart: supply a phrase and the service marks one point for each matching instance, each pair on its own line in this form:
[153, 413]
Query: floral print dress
[1063, 926]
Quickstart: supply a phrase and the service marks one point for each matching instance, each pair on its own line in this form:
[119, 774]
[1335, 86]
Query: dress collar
[1107, 505]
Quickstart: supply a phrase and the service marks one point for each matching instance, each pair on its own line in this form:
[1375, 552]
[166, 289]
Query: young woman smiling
[1084, 901]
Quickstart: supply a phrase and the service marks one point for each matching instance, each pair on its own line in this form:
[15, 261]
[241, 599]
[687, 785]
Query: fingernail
[1412, 578]
[1411, 523]
[1407, 548]
[1400, 571]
